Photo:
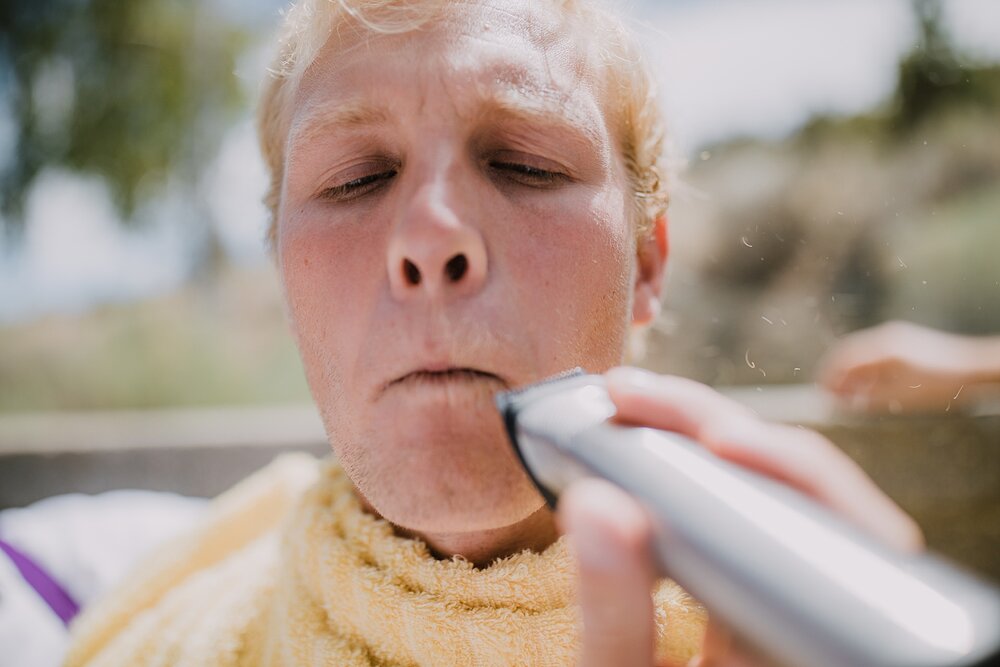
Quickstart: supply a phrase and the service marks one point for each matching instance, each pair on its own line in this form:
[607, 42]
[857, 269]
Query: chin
[445, 472]
[468, 508]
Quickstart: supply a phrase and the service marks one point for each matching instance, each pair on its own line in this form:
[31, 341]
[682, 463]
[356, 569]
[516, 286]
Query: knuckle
[911, 536]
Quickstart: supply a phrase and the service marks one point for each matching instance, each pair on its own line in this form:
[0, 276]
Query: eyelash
[523, 174]
[526, 174]
[357, 187]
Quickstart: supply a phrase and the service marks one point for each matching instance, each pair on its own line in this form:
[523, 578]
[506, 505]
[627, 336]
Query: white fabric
[30, 634]
[86, 543]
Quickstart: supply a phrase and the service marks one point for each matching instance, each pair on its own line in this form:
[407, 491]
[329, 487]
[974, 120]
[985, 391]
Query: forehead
[524, 54]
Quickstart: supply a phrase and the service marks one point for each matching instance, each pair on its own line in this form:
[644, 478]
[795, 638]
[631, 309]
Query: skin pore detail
[437, 246]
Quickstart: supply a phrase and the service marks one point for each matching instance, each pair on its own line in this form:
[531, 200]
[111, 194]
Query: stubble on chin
[454, 481]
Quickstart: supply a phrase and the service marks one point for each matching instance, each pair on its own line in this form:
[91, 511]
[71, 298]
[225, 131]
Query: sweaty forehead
[527, 52]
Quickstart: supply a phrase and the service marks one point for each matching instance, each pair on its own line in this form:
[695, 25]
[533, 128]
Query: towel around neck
[290, 570]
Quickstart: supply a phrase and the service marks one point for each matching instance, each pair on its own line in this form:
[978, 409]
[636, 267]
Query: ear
[651, 255]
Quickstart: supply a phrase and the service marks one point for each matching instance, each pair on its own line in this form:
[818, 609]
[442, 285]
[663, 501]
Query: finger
[611, 536]
[718, 423]
[670, 403]
[798, 457]
[835, 369]
[842, 372]
[809, 462]
[871, 388]
[851, 355]
[858, 389]
[722, 648]
[856, 380]
[715, 645]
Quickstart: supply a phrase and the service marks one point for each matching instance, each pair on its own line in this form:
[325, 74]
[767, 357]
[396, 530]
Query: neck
[535, 532]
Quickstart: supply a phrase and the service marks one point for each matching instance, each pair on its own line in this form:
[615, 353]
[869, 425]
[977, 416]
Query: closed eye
[527, 174]
[357, 187]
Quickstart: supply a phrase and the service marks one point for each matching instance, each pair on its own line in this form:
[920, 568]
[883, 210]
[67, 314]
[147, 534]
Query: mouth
[450, 375]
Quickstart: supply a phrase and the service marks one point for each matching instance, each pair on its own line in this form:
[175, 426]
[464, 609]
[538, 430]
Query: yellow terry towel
[289, 570]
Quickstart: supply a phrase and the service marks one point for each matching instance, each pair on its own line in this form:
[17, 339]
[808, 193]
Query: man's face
[453, 223]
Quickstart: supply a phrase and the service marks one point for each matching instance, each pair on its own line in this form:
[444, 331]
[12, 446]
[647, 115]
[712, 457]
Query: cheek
[573, 267]
[330, 275]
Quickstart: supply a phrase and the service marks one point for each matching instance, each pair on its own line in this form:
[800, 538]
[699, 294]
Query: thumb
[611, 535]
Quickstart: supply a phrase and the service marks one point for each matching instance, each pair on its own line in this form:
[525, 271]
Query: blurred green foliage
[132, 91]
[932, 76]
[228, 345]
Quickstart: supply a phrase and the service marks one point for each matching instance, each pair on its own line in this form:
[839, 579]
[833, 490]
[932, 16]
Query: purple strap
[54, 595]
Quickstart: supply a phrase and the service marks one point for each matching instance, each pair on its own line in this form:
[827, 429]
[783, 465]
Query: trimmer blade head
[509, 404]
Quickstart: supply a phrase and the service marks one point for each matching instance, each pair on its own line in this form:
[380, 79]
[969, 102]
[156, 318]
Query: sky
[763, 68]
[726, 68]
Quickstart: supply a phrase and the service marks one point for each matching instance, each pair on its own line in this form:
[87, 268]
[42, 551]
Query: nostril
[411, 272]
[456, 267]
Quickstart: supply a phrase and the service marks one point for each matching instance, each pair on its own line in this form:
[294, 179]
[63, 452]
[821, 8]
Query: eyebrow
[539, 109]
[328, 117]
[502, 103]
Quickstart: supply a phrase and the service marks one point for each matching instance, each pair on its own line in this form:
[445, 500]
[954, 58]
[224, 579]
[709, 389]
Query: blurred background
[838, 165]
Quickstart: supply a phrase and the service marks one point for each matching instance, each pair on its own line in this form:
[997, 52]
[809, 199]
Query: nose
[436, 249]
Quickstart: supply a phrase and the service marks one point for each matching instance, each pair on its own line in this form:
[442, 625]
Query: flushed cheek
[330, 279]
[572, 266]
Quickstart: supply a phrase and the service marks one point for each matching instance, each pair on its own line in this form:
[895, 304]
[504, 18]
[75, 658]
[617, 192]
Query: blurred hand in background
[903, 367]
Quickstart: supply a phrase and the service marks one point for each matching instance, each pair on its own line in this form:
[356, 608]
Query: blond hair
[630, 97]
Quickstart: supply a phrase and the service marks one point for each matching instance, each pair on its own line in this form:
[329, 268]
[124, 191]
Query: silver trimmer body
[803, 585]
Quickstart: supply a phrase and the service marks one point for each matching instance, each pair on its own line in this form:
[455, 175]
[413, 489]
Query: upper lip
[432, 369]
